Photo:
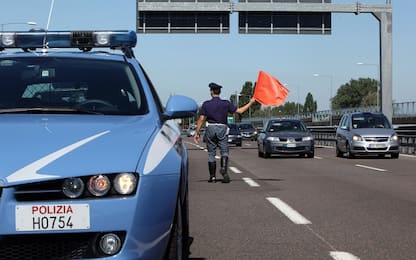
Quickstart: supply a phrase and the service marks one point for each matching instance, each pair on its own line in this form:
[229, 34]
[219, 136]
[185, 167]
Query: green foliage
[356, 93]
[310, 105]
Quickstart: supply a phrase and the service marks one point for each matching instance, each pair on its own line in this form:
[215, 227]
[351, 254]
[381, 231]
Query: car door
[342, 133]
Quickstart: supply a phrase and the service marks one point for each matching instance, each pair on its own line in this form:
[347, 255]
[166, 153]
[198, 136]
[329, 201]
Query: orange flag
[269, 91]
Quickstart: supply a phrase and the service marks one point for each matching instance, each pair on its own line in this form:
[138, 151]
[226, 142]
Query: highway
[301, 208]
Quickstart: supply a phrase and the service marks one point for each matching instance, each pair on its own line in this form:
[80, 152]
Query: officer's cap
[213, 85]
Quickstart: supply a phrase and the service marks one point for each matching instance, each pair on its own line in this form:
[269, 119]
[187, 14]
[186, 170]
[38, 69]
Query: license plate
[377, 145]
[52, 217]
[291, 145]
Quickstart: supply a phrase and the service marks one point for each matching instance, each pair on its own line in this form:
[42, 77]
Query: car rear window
[107, 87]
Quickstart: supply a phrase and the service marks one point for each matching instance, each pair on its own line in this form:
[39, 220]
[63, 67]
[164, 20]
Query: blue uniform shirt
[216, 110]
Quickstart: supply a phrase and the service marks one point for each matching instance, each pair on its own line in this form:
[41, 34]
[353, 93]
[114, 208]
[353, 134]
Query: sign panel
[284, 23]
[183, 22]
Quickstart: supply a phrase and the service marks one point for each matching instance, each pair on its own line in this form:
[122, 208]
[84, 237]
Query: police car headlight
[99, 185]
[73, 187]
[125, 183]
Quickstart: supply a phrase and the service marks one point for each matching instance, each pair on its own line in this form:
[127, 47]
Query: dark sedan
[285, 136]
[234, 135]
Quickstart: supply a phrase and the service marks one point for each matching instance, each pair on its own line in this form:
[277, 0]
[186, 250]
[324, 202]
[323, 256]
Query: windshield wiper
[47, 110]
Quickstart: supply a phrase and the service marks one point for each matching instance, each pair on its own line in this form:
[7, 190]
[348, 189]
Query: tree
[356, 93]
[310, 105]
[243, 98]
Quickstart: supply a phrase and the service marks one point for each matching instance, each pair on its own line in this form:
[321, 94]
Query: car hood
[50, 147]
[373, 131]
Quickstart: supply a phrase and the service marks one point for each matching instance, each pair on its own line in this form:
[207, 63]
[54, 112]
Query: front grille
[376, 139]
[50, 246]
[284, 139]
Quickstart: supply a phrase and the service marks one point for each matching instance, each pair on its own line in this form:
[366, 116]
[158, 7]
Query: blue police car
[92, 165]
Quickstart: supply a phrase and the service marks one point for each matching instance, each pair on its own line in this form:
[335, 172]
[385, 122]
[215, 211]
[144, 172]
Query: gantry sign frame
[382, 12]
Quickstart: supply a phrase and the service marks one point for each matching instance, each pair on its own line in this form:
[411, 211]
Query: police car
[92, 165]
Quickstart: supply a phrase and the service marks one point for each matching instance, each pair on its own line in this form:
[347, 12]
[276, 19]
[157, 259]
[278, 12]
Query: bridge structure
[269, 17]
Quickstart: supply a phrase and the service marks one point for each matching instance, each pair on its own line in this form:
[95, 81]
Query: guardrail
[325, 135]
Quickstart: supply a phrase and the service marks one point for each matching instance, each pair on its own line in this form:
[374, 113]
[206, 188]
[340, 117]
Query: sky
[185, 64]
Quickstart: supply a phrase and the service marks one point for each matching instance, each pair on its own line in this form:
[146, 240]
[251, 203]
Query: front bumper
[289, 148]
[364, 147]
[142, 222]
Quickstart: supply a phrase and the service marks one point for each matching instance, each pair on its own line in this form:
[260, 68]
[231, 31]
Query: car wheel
[239, 144]
[311, 154]
[260, 154]
[266, 155]
[338, 151]
[350, 155]
[178, 247]
[395, 155]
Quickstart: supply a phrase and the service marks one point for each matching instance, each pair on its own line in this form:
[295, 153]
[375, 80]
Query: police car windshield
[69, 84]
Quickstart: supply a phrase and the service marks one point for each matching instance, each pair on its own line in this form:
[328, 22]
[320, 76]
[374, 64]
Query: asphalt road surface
[301, 208]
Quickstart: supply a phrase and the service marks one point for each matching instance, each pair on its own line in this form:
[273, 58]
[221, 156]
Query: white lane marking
[336, 255]
[235, 170]
[318, 157]
[292, 214]
[370, 168]
[250, 182]
[30, 171]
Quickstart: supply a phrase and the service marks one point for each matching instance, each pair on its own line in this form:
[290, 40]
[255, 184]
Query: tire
[266, 155]
[395, 155]
[338, 151]
[178, 248]
[260, 154]
[311, 154]
[348, 149]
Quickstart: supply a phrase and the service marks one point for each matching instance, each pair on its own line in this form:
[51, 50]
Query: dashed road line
[235, 170]
[371, 168]
[250, 182]
[288, 211]
[336, 255]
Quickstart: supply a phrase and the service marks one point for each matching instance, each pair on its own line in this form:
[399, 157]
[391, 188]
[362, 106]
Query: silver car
[366, 133]
[285, 136]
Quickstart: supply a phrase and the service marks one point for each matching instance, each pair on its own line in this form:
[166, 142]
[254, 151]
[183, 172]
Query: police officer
[215, 112]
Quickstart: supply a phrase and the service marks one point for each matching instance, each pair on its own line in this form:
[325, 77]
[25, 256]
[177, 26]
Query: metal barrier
[407, 135]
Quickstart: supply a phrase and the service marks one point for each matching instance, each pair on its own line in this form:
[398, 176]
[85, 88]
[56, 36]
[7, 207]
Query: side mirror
[180, 107]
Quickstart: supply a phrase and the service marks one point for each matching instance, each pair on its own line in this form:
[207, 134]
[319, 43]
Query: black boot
[224, 169]
[212, 166]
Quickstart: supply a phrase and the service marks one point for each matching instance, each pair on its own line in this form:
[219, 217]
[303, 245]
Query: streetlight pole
[331, 79]
[378, 82]
[28, 23]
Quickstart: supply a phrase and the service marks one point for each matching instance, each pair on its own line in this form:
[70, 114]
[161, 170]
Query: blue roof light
[84, 40]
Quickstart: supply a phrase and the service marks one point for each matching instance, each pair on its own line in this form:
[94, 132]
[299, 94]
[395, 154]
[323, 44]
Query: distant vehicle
[248, 131]
[285, 136]
[190, 131]
[234, 135]
[365, 133]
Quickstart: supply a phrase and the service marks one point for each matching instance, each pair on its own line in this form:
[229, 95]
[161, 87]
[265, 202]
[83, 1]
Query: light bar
[84, 40]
